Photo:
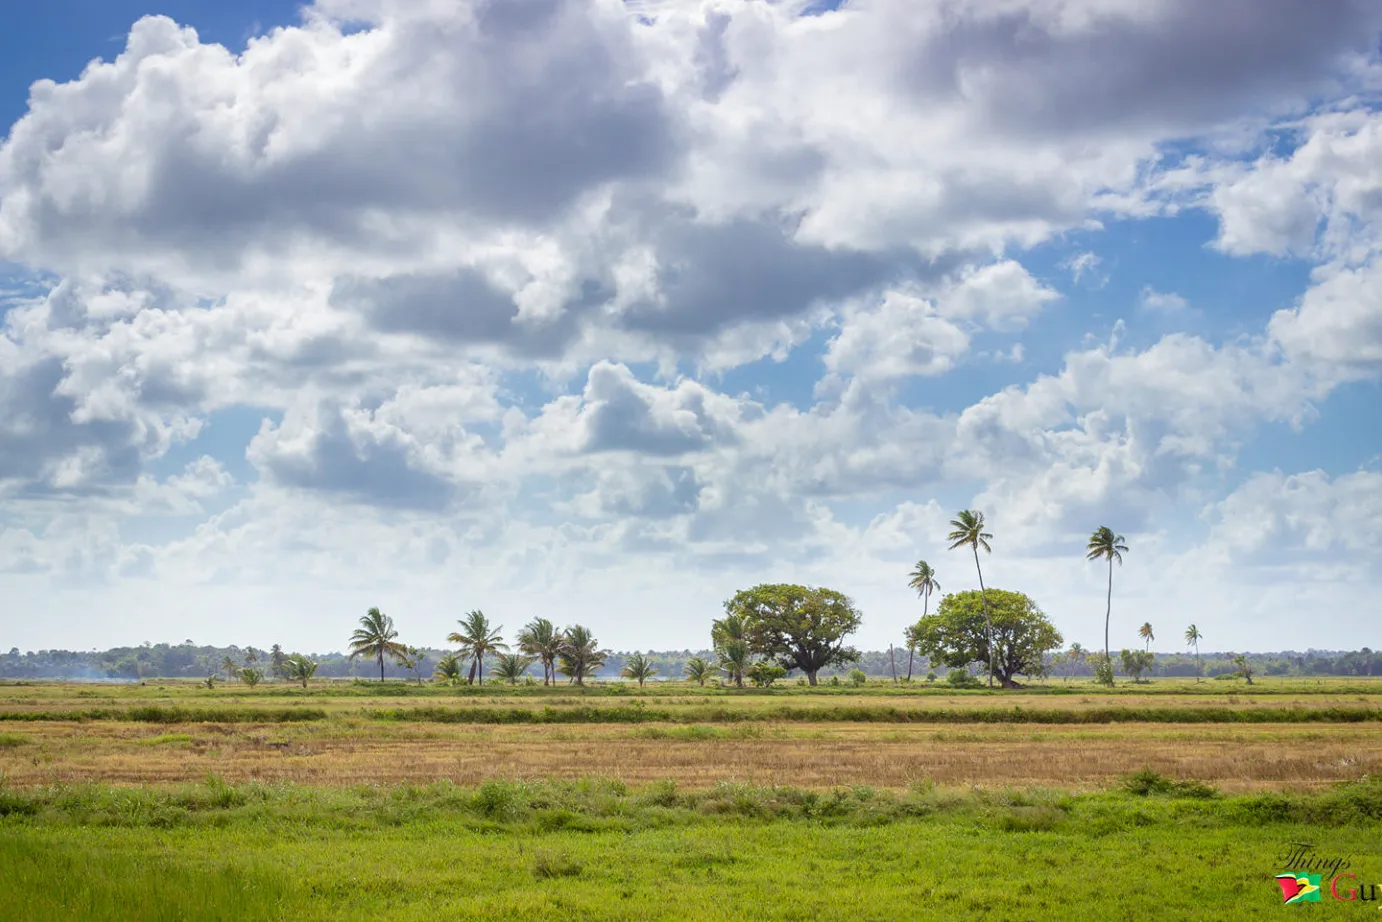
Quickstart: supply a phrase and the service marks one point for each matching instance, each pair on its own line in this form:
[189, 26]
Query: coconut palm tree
[448, 669]
[1192, 639]
[1103, 543]
[1145, 632]
[639, 667]
[542, 639]
[298, 668]
[923, 580]
[912, 637]
[230, 667]
[735, 660]
[580, 654]
[376, 638]
[969, 532]
[477, 639]
[511, 666]
[697, 670]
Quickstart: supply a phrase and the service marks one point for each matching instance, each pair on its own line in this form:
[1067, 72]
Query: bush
[555, 864]
[960, 678]
[857, 677]
[1148, 781]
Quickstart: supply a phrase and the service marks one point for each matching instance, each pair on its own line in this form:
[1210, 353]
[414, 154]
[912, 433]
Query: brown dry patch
[806, 755]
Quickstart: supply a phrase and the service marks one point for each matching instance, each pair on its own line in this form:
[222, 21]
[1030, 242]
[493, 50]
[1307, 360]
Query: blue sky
[564, 307]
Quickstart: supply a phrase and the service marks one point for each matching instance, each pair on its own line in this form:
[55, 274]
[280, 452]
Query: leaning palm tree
[477, 639]
[1192, 639]
[639, 667]
[1145, 632]
[697, 669]
[923, 580]
[511, 666]
[542, 639]
[580, 654]
[298, 668]
[969, 532]
[375, 638]
[1105, 544]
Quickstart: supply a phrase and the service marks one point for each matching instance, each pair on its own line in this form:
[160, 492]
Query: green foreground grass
[594, 849]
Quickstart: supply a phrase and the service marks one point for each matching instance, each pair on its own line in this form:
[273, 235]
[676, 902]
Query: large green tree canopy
[1022, 634]
[799, 626]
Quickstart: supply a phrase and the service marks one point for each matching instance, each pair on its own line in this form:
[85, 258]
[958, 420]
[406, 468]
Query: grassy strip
[173, 715]
[637, 712]
[597, 804]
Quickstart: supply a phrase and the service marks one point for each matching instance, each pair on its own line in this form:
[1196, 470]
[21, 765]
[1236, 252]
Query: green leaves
[799, 626]
[956, 634]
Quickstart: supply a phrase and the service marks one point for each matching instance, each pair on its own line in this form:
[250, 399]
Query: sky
[604, 310]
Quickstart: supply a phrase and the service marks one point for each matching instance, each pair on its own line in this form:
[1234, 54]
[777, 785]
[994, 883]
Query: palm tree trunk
[381, 666]
[911, 652]
[988, 624]
[1108, 611]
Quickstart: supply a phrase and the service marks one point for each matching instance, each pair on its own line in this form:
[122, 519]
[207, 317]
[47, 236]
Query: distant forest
[189, 660]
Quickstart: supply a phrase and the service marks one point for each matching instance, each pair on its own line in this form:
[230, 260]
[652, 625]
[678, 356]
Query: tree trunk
[988, 624]
[810, 678]
[892, 662]
[381, 667]
[1108, 611]
[911, 652]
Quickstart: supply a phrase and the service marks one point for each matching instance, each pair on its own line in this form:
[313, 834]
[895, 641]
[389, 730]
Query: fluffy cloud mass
[602, 309]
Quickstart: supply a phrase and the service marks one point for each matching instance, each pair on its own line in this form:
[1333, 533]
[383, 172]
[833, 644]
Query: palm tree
[639, 667]
[923, 580]
[1145, 632]
[1073, 657]
[580, 654]
[299, 668]
[477, 639]
[375, 637]
[542, 639]
[448, 669]
[697, 670]
[511, 666]
[1104, 543]
[735, 659]
[912, 636]
[1192, 639]
[969, 531]
[229, 666]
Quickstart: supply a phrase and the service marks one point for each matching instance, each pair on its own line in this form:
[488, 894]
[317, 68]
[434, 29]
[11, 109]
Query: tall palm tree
[1105, 544]
[1192, 639]
[580, 654]
[1145, 632]
[477, 639]
[375, 638]
[639, 667]
[542, 639]
[697, 670]
[969, 532]
[923, 580]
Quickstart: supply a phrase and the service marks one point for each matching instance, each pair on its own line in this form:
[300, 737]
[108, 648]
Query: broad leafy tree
[477, 640]
[958, 633]
[580, 655]
[799, 627]
[542, 639]
[639, 668]
[251, 675]
[1136, 662]
[1104, 544]
[967, 530]
[376, 638]
[923, 580]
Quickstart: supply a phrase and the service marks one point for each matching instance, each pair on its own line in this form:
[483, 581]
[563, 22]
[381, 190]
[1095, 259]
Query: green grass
[173, 715]
[596, 850]
[12, 741]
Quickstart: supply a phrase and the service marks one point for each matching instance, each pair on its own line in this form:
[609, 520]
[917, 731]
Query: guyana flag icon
[1299, 888]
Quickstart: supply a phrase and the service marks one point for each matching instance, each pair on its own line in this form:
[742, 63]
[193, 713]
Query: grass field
[169, 801]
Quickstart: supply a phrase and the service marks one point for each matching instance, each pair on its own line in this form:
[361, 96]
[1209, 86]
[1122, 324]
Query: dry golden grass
[351, 751]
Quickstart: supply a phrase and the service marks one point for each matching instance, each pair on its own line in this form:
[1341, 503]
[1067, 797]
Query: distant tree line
[191, 660]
